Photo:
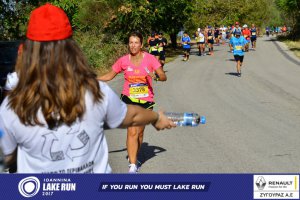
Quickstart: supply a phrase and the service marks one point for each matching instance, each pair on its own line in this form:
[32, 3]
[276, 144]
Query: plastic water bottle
[186, 119]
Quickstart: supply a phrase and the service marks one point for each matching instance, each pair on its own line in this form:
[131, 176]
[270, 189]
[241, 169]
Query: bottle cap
[202, 120]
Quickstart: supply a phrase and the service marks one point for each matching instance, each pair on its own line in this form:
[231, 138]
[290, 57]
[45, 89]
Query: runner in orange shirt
[246, 33]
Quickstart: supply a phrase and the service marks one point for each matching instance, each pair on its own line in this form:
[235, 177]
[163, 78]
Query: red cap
[48, 23]
[236, 23]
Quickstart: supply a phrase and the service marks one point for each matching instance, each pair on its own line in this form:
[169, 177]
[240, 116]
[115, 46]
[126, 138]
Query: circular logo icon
[30, 186]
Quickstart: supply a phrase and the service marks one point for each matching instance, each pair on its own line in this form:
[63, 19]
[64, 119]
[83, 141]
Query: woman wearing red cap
[52, 121]
[138, 67]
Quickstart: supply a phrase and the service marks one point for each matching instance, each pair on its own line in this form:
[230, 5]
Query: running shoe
[132, 169]
[138, 163]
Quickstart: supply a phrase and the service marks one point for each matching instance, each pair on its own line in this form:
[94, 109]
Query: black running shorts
[238, 58]
[147, 105]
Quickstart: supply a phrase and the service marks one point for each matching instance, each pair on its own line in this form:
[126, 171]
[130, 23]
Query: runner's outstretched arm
[108, 76]
[161, 74]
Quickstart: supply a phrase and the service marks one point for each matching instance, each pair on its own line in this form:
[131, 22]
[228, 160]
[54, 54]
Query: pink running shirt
[138, 84]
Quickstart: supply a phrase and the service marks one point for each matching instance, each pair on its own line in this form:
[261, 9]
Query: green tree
[147, 16]
[13, 18]
[131, 15]
[171, 16]
[218, 12]
[291, 13]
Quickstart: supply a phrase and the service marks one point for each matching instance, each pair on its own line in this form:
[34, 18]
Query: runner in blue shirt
[238, 43]
[186, 40]
[253, 36]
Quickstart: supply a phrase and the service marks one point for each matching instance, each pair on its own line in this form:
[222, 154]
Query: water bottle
[186, 119]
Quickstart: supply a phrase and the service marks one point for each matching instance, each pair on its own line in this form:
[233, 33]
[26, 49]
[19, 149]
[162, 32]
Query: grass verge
[293, 45]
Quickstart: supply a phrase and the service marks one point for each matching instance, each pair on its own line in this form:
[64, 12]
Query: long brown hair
[54, 78]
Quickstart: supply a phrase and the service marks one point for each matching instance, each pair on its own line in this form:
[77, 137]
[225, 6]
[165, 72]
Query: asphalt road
[253, 121]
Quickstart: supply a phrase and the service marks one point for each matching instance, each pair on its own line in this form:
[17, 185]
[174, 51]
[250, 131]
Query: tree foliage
[110, 21]
[147, 16]
[226, 12]
[290, 11]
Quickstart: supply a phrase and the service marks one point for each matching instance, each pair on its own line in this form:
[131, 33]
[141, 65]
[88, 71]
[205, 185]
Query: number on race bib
[238, 47]
[138, 90]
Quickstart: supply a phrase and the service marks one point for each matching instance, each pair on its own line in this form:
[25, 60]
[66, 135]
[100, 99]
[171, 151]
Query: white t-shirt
[201, 37]
[79, 148]
[223, 30]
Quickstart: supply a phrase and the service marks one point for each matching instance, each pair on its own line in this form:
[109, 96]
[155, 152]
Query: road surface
[253, 121]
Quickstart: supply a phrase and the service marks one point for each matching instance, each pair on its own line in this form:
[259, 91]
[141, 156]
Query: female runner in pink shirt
[139, 68]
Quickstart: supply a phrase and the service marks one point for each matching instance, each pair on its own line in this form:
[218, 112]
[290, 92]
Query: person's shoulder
[123, 58]
[148, 55]
[104, 88]
[6, 113]
[103, 85]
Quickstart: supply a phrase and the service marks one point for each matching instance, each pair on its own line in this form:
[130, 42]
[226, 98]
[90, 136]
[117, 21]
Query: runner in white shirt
[200, 39]
[223, 30]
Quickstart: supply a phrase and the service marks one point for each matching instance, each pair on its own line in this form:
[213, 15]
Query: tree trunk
[173, 37]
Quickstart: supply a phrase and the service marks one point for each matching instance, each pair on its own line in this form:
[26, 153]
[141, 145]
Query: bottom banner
[149, 186]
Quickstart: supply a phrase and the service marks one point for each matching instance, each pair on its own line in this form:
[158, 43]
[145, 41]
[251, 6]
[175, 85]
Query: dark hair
[136, 34]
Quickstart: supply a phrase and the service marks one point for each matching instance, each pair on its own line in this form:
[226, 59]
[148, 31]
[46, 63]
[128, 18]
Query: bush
[100, 51]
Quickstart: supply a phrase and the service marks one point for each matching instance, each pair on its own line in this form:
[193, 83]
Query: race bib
[210, 37]
[153, 49]
[253, 33]
[238, 47]
[138, 90]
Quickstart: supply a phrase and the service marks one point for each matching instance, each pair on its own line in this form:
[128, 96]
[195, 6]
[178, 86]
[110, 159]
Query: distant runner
[253, 36]
[162, 43]
[200, 39]
[238, 43]
[186, 45]
[210, 41]
[246, 33]
[153, 46]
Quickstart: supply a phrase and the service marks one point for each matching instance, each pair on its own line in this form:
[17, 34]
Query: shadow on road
[196, 53]
[230, 59]
[232, 73]
[270, 40]
[117, 151]
[295, 49]
[146, 153]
